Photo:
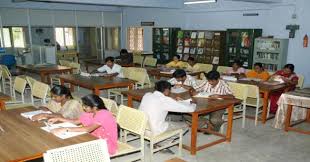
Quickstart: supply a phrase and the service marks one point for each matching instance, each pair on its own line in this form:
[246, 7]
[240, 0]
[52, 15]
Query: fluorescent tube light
[197, 2]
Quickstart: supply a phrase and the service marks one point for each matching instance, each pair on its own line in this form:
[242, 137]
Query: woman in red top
[288, 75]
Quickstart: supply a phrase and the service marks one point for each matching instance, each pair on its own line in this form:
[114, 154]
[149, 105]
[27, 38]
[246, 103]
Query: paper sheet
[64, 135]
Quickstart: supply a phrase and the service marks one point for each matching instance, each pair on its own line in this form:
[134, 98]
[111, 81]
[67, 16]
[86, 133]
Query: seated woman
[176, 63]
[287, 75]
[236, 69]
[96, 120]
[191, 65]
[258, 72]
[62, 104]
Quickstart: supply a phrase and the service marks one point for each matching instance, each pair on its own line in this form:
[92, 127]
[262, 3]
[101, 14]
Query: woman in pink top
[96, 120]
[236, 69]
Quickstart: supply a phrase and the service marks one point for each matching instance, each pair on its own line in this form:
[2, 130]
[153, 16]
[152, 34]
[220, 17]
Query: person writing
[191, 65]
[62, 104]
[176, 63]
[236, 69]
[111, 68]
[181, 79]
[96, 120]
[258, 72]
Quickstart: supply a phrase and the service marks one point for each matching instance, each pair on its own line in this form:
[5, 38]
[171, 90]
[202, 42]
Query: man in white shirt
[157, 104]
[219, 89]
[111, 68]
[181, 79]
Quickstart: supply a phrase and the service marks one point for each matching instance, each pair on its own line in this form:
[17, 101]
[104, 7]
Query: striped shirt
[189, 81]
[221, 88]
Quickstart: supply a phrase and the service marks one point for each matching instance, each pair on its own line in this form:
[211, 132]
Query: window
[6, 38]
[135, 38]
[112, 38]
[65, 37]
[18, 37]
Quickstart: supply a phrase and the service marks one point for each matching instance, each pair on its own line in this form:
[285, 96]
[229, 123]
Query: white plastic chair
[92, 151]
[6, 79]
[301, 79]
[254, 100]
[138, 60]
[222, 69]
[111, 105]
[150, 62]
[39, 92]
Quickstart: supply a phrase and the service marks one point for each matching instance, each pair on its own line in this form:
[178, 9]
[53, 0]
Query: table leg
[130, 87]
[129, 102]
[308, 115]
[42, 76]
[86, 66]
[287, 122]
[265, 107]
[96, 91]
[194, 133]
[229, 122]
[48, 77]
[2, 105]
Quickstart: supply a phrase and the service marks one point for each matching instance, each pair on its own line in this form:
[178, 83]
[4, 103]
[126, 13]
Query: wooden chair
[92, 151]
[150, 62]
[136, 124]
[111, 105]
[6, 79]
[254, 100]
[39, 92]
[222, 69]
[240, 91]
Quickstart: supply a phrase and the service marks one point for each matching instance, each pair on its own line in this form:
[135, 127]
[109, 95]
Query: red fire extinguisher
[305, 41]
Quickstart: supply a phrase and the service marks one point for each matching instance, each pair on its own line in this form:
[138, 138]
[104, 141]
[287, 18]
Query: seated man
[125, 57]
[156, 106]
[180, 79]
[219, 89]
[258, 72]
[176, 63]
[111, 68]
[191, 65]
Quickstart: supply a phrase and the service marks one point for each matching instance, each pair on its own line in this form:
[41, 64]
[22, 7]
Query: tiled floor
[251, 144]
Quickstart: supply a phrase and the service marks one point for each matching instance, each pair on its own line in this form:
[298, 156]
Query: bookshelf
[203, 45]
[164, 44]
[240, 45]
[271, 52]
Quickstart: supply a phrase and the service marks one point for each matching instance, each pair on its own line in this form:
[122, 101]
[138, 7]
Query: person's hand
[39, 117]
[178, 85]
[192, 92]
[59, 130]
[43, 108]
[53, 120]
[178, 98]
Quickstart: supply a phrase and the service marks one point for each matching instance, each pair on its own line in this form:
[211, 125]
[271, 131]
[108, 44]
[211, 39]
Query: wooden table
[266, 90]
[158, 74]
[95, 83]
[24, 140]
[3, 98]
[45, 70]
[204, 106]
[100, 63]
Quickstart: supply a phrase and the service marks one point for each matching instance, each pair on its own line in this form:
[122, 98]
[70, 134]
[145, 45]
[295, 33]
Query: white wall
[272, 18]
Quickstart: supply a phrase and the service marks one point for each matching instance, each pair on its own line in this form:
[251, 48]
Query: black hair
[61, 90]
[93, 100]
[238, 62]
[109, 59]
[190, 59]
[179, 73]
[290, 66]
[178, 56]
[212, 75]
[258, 64]
[162, 85]
[123, 51]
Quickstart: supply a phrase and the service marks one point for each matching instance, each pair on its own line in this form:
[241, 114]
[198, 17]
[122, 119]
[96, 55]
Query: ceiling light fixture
[198, 2]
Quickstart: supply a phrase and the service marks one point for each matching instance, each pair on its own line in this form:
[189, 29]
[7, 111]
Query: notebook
[178, 90]
[203, 95]
[30, 114]
[64, 135]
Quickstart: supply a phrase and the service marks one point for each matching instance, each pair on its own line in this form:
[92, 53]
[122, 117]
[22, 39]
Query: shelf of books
[240, 46]
[271, 52]
[205, 46]
[164, 43]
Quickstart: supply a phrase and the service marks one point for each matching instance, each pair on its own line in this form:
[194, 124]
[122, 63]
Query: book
[186, 50]
[30, 114]
[209, 35]
[180, 49]
[215, 60]
[187, 41]
[178, 90]
[203, 95]
[200, 51]
[201, 35]
[194, 35]
[192, 51]
[63, 135]
[180, 34]
[201, 42]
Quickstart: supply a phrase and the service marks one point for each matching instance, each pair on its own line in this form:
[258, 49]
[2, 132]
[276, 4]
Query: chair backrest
[6, 74]
[239, 90]
[111, 105]
[76, 67]
[92, 151]
[205, 67]
[40, 90]
[150, 61]
[126, 72]
[301, 79]
[222, 69]
[19, 84]
[138, 59]
[140, 75]
[30, 81]
[132, 120]
[253, 91]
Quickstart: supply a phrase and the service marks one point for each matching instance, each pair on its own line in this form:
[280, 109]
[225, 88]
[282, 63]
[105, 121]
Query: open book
[30, 114]
[203, 95]
[64, 135]
[178, 90]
